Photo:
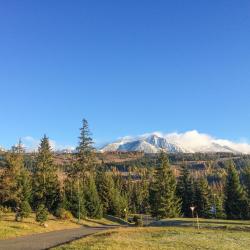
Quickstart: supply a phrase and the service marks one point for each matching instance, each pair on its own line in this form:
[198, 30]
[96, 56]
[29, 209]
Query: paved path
[47, 240]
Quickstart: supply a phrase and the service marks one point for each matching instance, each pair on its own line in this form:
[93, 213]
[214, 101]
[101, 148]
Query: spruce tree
[218, 203]
[45, 180]
[203, 198]
[92, 201]
[24, 210]
[185, 191]
[246, 181]
[105, 188]
[41, 214]
[139, 197]
[163, 200]
[73, 198]
[82, 168]
[236, 205]
[85, 152]
[15, 184]
[119, 204]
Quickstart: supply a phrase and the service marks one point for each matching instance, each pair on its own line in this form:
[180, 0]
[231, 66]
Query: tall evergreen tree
[246, 181]
[85, 152]
[15, 182]
[185, 191]
[92, 201]
[218, 204]
[163, 200]
[202, 198]
[83, 167]
[73, 197]
[105, 188]
[45, 180]
[119, 204]
[236, 205]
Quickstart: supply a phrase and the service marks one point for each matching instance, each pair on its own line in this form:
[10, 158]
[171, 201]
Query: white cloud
[32, 144]
[193, 141]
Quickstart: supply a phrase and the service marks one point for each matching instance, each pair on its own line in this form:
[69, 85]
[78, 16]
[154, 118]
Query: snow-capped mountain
[188, 142]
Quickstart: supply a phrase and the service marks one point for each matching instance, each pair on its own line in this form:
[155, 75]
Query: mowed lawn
[235, 236]
[9, 228]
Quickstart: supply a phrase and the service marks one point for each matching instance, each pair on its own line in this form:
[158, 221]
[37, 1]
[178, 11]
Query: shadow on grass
[235, 226]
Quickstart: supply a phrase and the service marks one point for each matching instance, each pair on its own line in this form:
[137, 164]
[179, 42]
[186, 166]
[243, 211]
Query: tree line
[87, 189]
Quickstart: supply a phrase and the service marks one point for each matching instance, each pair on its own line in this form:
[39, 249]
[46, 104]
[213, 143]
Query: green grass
[9, 228]
[206, 223]
[234, 236]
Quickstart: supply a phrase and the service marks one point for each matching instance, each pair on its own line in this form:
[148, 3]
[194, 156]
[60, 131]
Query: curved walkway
[47, 240]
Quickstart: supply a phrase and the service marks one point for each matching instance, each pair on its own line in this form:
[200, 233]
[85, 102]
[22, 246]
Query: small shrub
[41, 214]
[24, 211]
[64, 214]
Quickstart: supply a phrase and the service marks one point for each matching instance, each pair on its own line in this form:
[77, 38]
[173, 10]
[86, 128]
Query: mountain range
[188, 142]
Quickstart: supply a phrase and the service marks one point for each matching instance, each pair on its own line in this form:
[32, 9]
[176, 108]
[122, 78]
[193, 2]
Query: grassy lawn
[9, 228]
[233, 236]
[206, 223]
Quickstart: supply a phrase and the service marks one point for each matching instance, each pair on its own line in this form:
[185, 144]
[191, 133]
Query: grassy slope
[9, 228]
[173, 237]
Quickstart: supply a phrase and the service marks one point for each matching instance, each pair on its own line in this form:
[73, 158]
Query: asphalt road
[47, 240]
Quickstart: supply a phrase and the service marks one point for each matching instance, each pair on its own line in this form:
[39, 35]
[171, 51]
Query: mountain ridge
[188, 142]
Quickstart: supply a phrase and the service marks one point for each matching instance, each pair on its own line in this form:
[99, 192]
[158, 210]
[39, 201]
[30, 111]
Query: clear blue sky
[129, 67]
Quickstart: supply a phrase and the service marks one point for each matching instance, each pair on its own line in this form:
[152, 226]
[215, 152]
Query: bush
[41, 214]
[64, 214]
[24, 211]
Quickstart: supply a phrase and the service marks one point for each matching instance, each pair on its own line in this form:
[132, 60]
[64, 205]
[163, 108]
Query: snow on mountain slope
[188, 142]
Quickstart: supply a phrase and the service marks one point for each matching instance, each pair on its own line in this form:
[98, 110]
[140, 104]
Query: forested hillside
[91, 184]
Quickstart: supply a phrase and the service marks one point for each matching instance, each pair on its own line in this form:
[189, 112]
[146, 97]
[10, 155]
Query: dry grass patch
[9, 228]
[163, 238]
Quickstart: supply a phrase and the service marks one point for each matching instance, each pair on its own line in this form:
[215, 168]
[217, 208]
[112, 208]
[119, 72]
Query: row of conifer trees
[85, 189]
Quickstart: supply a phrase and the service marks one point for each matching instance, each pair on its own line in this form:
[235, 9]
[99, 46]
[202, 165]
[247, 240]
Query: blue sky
[129, 67]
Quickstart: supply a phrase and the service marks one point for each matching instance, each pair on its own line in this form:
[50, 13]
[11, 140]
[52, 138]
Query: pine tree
[24, 210]
[236, 205]
[119, 204]
[139, 197]
[73, 198]
[80, 170]
[92, 201]
[105, 188]
[218, 203]
[202, 198]
[163, 200]
[185, 191]
[15, 187]
[41, 214]
[45, 180]
[85, 152]
[246, 181]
